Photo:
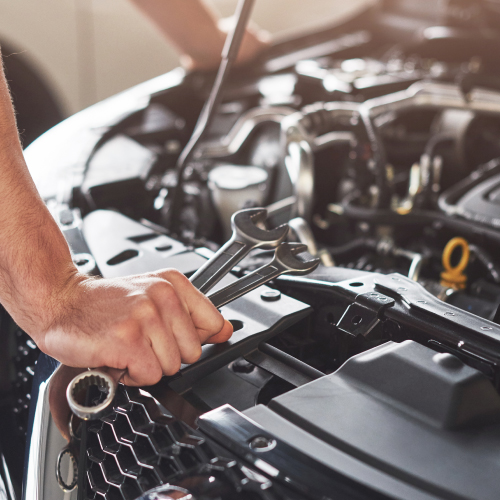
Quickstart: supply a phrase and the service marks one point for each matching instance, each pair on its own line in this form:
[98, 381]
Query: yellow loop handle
[448, 251]
[453, 276]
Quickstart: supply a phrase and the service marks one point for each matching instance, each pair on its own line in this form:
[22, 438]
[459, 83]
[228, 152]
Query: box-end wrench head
[246, 237]
[283, 262]
[79, 386]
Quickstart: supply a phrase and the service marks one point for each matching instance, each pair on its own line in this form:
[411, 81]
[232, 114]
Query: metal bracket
[361, 317]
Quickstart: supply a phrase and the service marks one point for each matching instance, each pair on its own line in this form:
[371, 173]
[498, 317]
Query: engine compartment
[384, 151]
[378, 141]
[378, 153]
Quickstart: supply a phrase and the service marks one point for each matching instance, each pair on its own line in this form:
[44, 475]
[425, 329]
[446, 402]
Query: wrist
[48, 310]
[38, 275]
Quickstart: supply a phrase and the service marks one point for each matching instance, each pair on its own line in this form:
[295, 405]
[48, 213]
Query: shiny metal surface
[6, 487]
[303, 232]
[65, 484]
[82, 382]
[299, 163]
[242, 129]
[299, 145]
[300, 141]
[36, 458]
[299, 159]
[168, 492]
[283, 262]
[247, 235]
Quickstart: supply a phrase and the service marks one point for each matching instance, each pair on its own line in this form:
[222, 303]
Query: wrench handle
[244, 285]
[219, 265]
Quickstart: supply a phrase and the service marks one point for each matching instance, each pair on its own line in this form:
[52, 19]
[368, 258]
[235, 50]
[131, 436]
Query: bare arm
[192, 27]
[147, 324]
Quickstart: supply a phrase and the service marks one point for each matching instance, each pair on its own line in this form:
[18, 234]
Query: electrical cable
[471, 230]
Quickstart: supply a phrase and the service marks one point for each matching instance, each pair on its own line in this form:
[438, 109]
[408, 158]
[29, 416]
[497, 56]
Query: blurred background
[63, 55]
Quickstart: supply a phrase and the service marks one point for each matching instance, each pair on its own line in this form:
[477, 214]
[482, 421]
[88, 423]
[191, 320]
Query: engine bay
[379, 143]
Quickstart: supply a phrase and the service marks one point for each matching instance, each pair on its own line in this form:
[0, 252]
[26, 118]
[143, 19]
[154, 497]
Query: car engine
[377, 375]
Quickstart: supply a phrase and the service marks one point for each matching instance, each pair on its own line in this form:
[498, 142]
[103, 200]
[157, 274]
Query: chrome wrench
[283, 262]
[246, 237]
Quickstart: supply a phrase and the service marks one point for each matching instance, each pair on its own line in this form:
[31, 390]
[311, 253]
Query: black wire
[379, 157]
[353, 246]
[470, 229]
[229, 54]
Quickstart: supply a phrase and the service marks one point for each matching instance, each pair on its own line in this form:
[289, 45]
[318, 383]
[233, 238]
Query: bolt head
[271, 295]
[262, 443]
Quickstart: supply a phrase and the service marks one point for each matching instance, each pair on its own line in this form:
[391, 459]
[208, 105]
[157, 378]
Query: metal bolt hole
[356, 320]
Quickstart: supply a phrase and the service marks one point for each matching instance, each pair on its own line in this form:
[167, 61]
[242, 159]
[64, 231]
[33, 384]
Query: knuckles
[173, 367]
[193, 355]
[144, 309]
[142, 303]
[174, 275]
[152, 375]
[127, 332]
[162, 290]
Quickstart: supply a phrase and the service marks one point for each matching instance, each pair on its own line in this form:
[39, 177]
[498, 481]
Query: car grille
[139, 446]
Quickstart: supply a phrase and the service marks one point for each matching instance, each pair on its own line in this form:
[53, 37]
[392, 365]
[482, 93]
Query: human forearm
[34, 256]
[146, 325]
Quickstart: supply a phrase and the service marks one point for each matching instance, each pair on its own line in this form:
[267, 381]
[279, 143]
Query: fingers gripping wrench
[246, 237]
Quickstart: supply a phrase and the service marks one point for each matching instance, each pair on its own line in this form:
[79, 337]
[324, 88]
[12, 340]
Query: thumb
[223, 336]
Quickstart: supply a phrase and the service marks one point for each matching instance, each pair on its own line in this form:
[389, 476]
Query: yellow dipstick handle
[453, 276]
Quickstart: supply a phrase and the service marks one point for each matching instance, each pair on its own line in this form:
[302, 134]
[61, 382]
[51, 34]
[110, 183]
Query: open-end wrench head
[286, 254]
[245, 229]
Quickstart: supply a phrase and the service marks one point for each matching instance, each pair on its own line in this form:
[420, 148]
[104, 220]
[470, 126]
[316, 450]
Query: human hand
[146, 324]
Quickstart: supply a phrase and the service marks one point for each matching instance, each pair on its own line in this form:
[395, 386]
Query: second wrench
[246, 237]
[283, 262]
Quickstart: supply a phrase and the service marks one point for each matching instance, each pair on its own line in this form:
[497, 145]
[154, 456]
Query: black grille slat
[97, 480]
[167, 469]
[123, 431]
[130, 489]
[139, 419]
[127, 462]
[111, 471]
[107, 439]
[161, 440]
[148, 479]
[137, 446]
[144, 452]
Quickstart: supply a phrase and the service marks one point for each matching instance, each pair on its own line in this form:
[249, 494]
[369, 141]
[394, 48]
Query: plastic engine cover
[422, 417]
